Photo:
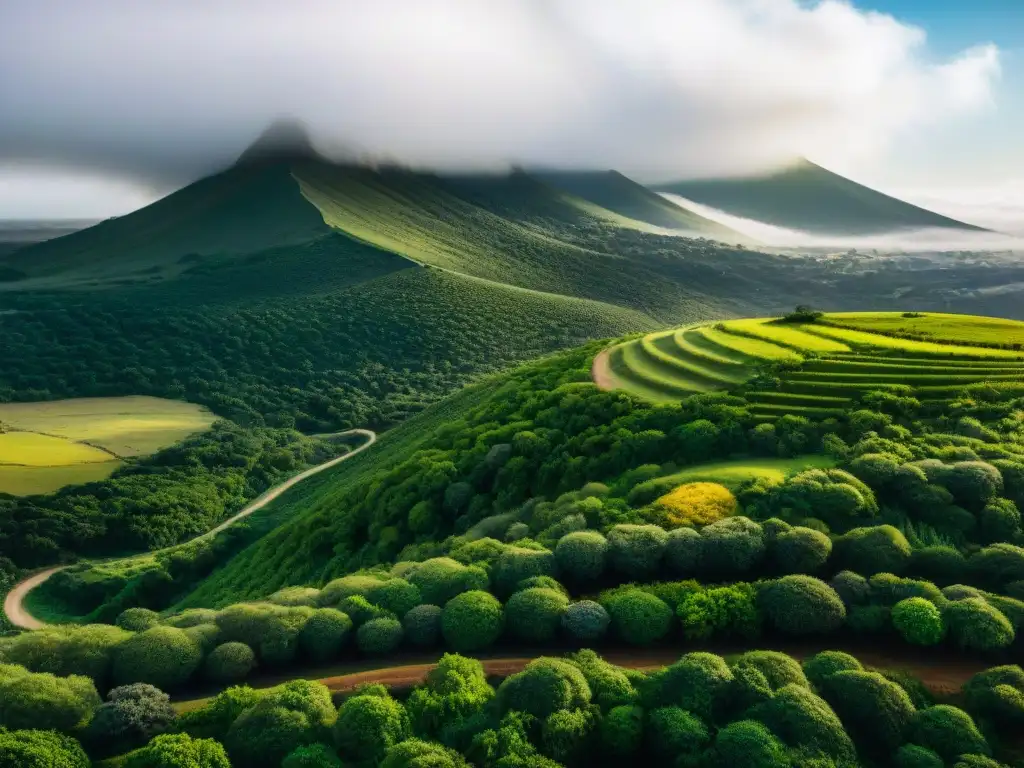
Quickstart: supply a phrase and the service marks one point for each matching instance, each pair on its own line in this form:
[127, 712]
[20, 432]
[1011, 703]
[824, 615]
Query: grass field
[936, 325]
[52, 444]
[732, 474]
[829, 367]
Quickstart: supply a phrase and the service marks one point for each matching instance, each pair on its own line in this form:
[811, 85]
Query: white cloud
[653, 87]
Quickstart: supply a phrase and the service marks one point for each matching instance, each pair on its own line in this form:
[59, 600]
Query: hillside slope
[808, 197]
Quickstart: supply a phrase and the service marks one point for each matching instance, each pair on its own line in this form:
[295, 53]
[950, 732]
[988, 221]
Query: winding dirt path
[601, 371]
[14, 603]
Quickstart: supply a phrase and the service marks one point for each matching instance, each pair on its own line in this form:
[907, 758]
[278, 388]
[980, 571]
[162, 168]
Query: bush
[800, 718]
[913, 756]
[586, 620]
[638, 617]
[695, 504]
[266, 734]
[44, 701]
[673, 732]
[206, 636]
[699, 682]
[582, 556]
[163, 656]
[800, 550]
[972, 483]
[564, 734]
[229, 663]
[852, 588]
[918, 621]
[518, 563]
[822, 666]
[534, 615]
[683, 551]
[414, 753]
[878, 549]
[876, 712]
[728, 610]
[131, 716]
[869, 619]
[422, 626]
[750, 744]
[546, 685]
[177, 750]
[622, 731]
[636, 550]
[296, 596]
[997, 695]
[801, 605]
[396, 595]
[368, 726]
[312, 756]
[137, 619]
[975, 624]
[455, 690]
[731, 547]
[472, 621]
[610, 686]
[779, 669]
[324, 634]
[270, 630]
[940, 565]
[347, 586]
[40, 749]
[542, 582]
[947, 731]
[1000, 521]
[996, 565]
[84, 650]
[360, 610]
[379, 637]
[441, 579]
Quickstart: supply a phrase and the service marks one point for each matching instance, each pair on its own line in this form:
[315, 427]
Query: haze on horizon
[110, 104]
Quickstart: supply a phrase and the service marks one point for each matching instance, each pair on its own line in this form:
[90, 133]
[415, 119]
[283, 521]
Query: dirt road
[601, 371]
[14, 603]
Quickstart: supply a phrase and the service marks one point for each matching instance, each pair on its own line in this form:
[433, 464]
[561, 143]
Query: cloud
[165, 90]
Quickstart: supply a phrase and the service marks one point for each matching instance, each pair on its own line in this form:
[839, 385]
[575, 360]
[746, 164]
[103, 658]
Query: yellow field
[125, 426]
[48, 445]
[786, 335]
[863, 338]
[34, 450]
[936, 325]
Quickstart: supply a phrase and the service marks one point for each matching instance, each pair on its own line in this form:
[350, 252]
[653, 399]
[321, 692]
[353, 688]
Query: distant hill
[620, 194]
[808, 197]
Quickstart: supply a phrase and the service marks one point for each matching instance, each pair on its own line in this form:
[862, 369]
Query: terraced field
[820, 369]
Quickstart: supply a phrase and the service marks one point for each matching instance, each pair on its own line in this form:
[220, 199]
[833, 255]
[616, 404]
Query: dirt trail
[601, 371]
[14, 603]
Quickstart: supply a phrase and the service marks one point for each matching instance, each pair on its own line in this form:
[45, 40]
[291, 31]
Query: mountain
[617, 193]
[810, 198]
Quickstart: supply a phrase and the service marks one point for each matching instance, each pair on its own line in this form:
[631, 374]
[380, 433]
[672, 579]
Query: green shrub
[582, 556]
[749, 744]
[878, 549]
[800, 550]
[564, 734]
[177, 750]
[918, 621]
[441, 579]
[422, 626]
[312, 756]
[296, 596]
[638, 617]
[976, 625]
[999, 521]
[414, 753]
[472, 621]
[869, 619]
[44, 701]
[749, 687]
[683, 551]
[947, 731]
[913, 756]
[622, 731]
[131, 716]
[455, 691]
[368, 726]
[229, 663]
[876, 712]
[977, 761]
[673, 732]
[396, 595]
[939, 564]
[40, 749]
[800, 605]
[779, 669]
[822, 666]
[347, 586]
[360, 610]
[87, 650]
[972, 483]
[542, 582]
[728, 610]
[518, 563]
[546, 685]
[206, 636]
[852, 588]
[699, 682]
[266, 734]
[311, 698]
[997, 695]
[731, 547]
[534, 615]
[586, 620]
[888, 589]
[636, 551]
[324, 634]
[270, 630]
[162, 656]
[801, 719]
[609, 685]
[379, 637]
[137, 619]
[996, 565]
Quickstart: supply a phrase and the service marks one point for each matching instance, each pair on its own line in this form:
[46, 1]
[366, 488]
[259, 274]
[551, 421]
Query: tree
[546, 685]
[975, 624]
[919, 621]
[534, 615]
[324, 634]
[802, 605]
[564, 734]
[178, 750]
[947, 731]
[379, 636]
[131, 716]
[415, 753]
[163, 656]
[266, 734]
[636, 550]
[312, 756]
[455, 690]
[638, 617]
[582, 556]
[229, 663]
[586, 620]
[673, 732]
[40, 749]
[44, 701]
[472, 621]
[367, 726]
[422, 626]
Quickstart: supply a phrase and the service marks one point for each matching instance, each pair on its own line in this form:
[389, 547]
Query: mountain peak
[284, 139]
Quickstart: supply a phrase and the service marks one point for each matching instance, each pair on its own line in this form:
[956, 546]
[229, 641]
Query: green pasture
[969, 329]
[732, 474]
